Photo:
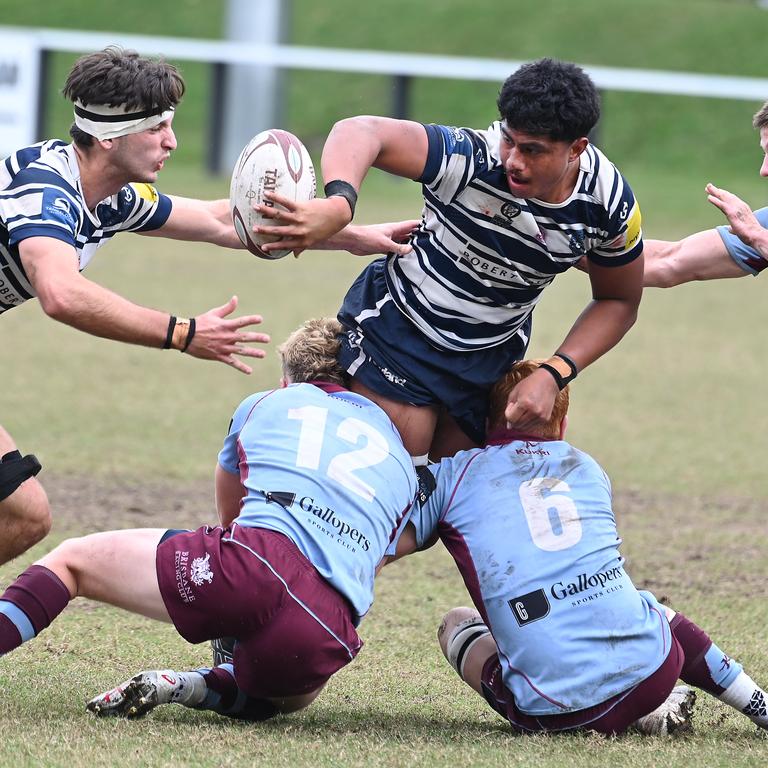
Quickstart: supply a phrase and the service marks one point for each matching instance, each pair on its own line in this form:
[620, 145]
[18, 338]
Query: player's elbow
[56, 301]
[662, 264]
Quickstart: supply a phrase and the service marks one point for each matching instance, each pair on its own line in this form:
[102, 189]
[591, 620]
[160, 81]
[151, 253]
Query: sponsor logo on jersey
[602, 581]
[458, 135]
[531, 449]
[62, 204]
[335, 525]
[576, 244]
[481, 264]
[511, 209]
[529, 607]
[144, 191]
[283, 498]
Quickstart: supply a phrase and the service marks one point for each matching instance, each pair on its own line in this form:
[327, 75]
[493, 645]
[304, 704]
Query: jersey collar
[503, 436]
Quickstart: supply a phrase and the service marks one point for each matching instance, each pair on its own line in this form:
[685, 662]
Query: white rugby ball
[273, 161]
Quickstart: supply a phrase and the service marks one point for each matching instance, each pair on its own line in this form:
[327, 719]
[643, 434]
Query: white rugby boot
[143, 692]
[672, 718]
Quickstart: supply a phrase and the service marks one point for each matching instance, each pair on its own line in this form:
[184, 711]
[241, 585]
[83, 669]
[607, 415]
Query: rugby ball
[272, 161]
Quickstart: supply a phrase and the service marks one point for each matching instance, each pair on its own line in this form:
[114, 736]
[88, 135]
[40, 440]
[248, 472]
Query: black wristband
[169, 332]
[339, 188]
[559, 380]
[574, 369]
[190, 334]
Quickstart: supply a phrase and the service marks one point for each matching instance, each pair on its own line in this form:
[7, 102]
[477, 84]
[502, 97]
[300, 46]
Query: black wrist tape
[190, 334]
[169, 332]
[339, 188]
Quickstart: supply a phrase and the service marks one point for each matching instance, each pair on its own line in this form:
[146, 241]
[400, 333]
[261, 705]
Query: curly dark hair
[117, 76]
[550, 98]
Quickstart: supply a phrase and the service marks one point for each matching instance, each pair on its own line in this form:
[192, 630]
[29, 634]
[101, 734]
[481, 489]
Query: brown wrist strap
[180, 333]
[562, 369]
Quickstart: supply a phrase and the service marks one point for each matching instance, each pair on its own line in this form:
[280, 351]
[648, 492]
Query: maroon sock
[222, 682]
[695, 643]
[40, 596]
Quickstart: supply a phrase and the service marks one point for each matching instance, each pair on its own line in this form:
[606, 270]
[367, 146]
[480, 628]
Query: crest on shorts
[200, 571]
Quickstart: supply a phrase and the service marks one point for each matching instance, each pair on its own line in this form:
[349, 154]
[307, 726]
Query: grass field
[129, 436]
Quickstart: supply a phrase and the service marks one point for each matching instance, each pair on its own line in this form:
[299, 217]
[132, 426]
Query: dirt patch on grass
[674, 545]
[84, 504]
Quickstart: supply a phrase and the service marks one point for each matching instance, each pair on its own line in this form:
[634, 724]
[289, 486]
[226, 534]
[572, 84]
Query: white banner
[19, 73]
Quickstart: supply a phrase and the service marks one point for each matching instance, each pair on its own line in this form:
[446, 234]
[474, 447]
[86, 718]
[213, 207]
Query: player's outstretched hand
[367, 240]
[218, 337]
[743, 222]
[530, 403]
[301, 225]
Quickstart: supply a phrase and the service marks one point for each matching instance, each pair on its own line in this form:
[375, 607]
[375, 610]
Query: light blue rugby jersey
[328, 469]
[531, 528]
[481, 257]
[41, 196]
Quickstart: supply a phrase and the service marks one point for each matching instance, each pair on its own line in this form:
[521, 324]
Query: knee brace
[463, 636]
[14, 470]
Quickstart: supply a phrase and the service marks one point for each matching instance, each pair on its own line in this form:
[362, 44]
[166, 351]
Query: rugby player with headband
[59, 202]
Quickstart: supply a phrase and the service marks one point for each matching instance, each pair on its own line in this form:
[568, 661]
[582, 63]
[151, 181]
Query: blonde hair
[500, 393]
[310, 353]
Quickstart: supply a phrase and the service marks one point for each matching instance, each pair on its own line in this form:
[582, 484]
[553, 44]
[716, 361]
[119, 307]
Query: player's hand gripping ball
[273, 161]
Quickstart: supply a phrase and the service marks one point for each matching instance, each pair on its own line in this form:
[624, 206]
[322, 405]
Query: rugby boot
[673, 717]
[142, 693]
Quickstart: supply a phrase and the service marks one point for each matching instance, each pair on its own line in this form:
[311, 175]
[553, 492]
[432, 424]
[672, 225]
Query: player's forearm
[701, 256]
[203, 221]
[96, 310]
[599, 328]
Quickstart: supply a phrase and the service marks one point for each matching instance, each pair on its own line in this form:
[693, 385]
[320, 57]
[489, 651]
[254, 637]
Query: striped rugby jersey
[41, 196]
[481, 256]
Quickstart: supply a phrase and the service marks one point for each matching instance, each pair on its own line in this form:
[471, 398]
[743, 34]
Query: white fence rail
[384, 63]
[401, 66]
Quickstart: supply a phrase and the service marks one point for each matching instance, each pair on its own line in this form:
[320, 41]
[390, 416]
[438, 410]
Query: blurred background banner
[19, 91]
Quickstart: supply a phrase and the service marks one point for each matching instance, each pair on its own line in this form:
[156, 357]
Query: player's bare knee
[38, 511]
[70, 556]
[26, 514]
[295, 703]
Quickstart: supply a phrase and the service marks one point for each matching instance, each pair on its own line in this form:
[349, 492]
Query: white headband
[105, 122]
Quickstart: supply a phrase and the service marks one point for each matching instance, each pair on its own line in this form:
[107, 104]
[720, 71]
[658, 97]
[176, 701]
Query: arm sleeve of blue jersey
[623, 239]
[145, 208]
[454, 157]
[426, 517]
[744, 255]
[229, 458]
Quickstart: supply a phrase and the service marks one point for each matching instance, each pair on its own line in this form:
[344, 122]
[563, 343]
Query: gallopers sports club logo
[529, 607]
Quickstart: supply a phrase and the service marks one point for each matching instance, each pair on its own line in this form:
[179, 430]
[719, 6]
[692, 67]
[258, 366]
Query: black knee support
[14, 470]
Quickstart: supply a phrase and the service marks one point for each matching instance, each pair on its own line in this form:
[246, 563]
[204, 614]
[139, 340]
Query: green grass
[399, 703]
[674, 414]
[693, 136]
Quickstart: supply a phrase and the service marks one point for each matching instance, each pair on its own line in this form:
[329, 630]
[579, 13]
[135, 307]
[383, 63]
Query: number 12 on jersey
[343, 465]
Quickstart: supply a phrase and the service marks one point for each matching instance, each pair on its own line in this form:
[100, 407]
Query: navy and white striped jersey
[41, 196]
[481, 256]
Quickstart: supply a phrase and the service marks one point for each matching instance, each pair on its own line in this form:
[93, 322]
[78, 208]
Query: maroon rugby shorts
[612, 716]
[293, 629]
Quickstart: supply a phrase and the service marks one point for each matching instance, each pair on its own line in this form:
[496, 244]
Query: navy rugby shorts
[384, 350]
